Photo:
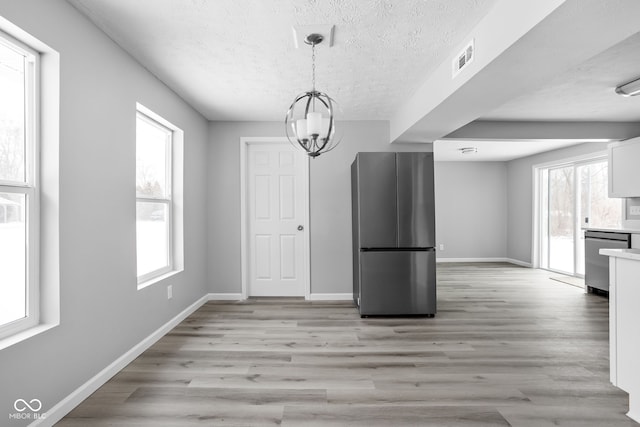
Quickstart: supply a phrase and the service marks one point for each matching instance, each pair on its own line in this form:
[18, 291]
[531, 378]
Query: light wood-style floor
[508, 346]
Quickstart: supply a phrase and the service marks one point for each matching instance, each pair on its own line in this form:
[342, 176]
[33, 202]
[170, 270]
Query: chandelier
[310, 122]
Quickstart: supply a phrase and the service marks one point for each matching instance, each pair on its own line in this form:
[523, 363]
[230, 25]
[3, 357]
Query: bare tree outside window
[12, 115]
[17, 188]
[561, 218]
[153, 192]
[599, 210]
[11, 150]
[576, 197]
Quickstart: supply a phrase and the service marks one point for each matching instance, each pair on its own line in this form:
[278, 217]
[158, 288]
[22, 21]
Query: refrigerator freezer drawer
[397, 283]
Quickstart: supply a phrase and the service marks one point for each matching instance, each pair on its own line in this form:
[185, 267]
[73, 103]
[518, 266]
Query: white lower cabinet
[624, 324]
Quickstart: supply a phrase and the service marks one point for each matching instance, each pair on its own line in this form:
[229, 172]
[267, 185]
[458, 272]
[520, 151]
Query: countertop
[622, 253]
[613, 230]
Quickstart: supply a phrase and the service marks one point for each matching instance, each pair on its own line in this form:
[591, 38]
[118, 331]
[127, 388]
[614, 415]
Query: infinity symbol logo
[21, 405]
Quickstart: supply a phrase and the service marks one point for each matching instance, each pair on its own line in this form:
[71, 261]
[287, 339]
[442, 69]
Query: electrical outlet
[634, 210]
[442, 246]
[169, 291]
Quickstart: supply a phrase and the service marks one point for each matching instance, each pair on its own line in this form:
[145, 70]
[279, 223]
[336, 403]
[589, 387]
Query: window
[154, 202]
[19, 219]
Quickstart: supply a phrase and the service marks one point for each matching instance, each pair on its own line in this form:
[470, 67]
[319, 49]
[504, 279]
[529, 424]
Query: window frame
[29, 186]
[540, 251]
[156, 121]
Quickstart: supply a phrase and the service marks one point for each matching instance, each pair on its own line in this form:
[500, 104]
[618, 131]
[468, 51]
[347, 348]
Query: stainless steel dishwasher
[596, 275]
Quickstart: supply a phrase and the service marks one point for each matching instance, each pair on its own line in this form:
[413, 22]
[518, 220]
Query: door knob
[300, 228]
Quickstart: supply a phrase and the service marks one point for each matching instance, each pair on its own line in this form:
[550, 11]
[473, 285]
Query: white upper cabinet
[624, 168]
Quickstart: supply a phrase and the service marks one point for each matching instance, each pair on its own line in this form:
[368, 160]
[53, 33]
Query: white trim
[509, 260]
[310, 297]
[76, 397]
[536, 244]
[224, 297]
[156, 279]
[330, 297]
[243, 217]
[518, 262]
[439, 260]
[244, 142]
[154, 276]
[537, 192]
[155, 117]
[24, 334]
[633, 413]
[29, 187]
[151, 118]
[602, 154]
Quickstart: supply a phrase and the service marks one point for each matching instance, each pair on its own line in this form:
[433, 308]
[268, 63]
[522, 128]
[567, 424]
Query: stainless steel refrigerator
[393, 234]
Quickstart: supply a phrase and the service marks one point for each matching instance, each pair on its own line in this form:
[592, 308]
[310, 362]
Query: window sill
[159, 278]
[26, 334]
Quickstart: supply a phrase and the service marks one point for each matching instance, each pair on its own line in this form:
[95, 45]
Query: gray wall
[330, 190]
[520, 196]
[471, 209]
[103, 315]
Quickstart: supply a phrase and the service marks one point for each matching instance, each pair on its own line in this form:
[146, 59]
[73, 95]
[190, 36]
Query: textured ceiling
[583, 93]
[236, 60]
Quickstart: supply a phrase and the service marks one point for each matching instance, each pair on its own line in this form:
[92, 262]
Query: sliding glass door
[561, 212]
[573, 196]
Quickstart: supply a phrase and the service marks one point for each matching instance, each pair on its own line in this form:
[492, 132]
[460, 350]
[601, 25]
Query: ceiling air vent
[464, 58]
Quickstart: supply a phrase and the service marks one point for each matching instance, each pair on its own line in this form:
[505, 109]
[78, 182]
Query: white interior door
[276, 213]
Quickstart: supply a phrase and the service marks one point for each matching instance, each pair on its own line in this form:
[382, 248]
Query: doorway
[573, 196]
[275, 218]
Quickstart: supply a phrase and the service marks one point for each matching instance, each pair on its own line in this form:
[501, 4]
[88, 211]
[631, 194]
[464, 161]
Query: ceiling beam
[520, 46]
[515, 130]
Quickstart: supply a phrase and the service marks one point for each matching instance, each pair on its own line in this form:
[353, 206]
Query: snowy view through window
[13, 199]
[576, 193]
[153, 191]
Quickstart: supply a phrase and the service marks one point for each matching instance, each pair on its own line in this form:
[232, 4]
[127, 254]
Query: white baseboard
[471, 259]
[331, 297]
[67, 404]
[225, 297]
[518, 262]
[311, 297]
[509, 260]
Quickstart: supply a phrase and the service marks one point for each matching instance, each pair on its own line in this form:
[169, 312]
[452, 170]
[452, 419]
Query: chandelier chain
[313, 66]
